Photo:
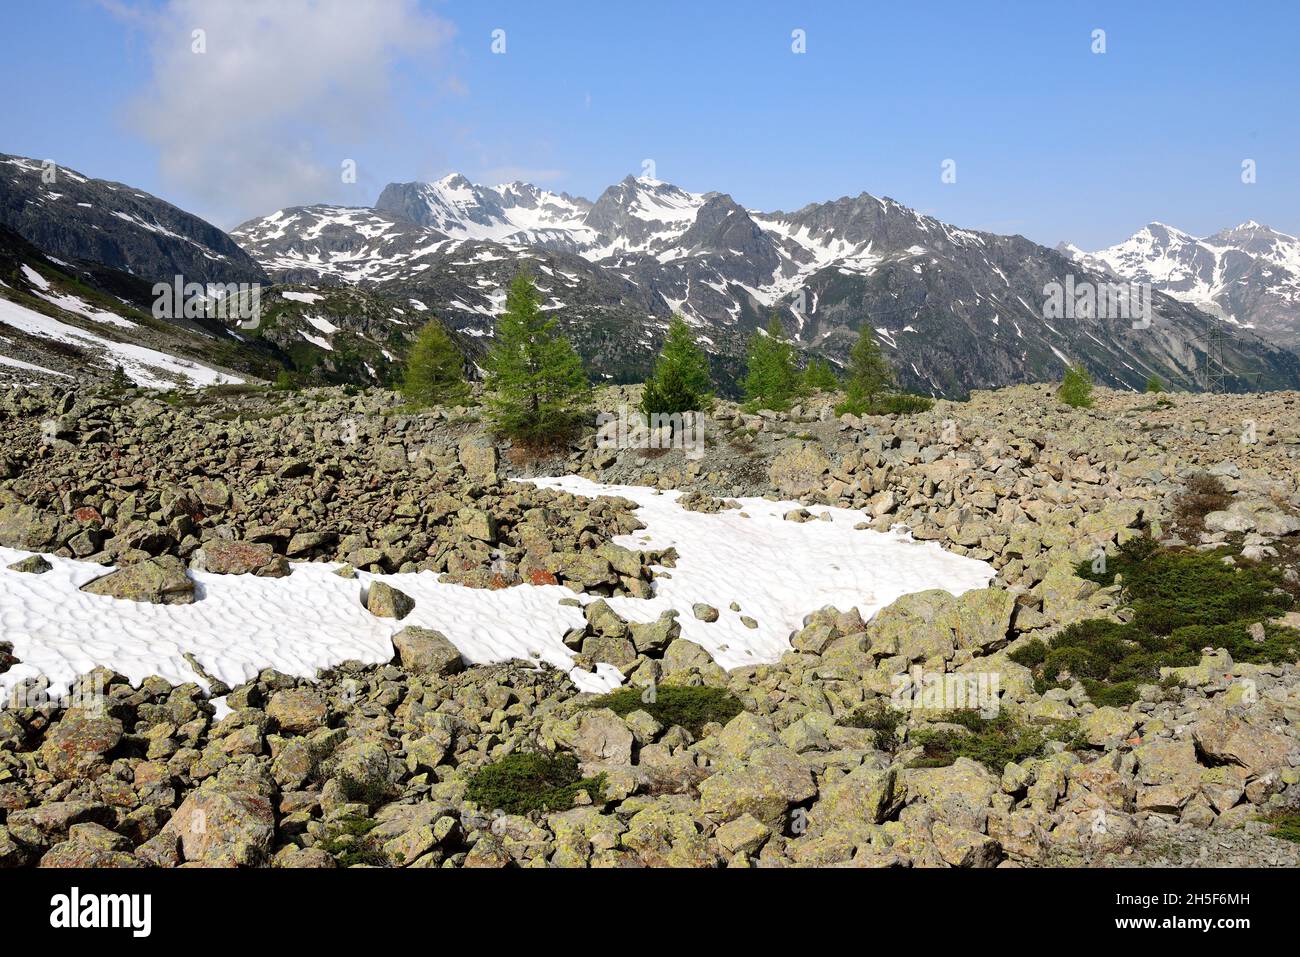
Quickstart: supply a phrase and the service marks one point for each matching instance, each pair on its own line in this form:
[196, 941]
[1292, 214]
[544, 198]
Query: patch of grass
[347, 842]
[1286, 825]
[894, 403]
[532, 781]
[1181, 601]
[993, 742]
[690, 707]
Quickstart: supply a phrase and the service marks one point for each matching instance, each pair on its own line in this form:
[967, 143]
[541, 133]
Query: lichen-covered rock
[29, 529]
[364, 772]
[764, 786]
[31, 565]
[799, 471]
[385, 601]
[158, 581]
[297, 710]
[865, 795]
[223, 829]
[1226, 739]
[79, 745]
[220, 557]
[427, 652]
[598, 736]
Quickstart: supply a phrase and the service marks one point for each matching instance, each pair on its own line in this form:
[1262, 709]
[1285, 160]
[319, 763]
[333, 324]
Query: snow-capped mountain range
[1248, 275]
[955, 309]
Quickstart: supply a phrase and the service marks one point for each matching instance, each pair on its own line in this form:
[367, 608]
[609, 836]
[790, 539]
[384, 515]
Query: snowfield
[776, 571]
[145, 367]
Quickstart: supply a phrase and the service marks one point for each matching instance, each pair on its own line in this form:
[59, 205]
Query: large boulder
[964, 780]
[221, 557]
[424, 651]
[385, 601]
[1226, 739]
[477, 456]
[78, 745]
[158, 581]
[865, 795]
[1169, 775]
[29, 529]
[913, 627]
[799, 471]
[935, 623]
[764, 786]
[223, 828]
[598, 736]
[365, 772]
[297, 710]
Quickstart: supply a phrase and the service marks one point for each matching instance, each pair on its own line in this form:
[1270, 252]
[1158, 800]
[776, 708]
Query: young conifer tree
[770, 378]
[680, 380]
[537, 391]
[869, 373]
[435, 369]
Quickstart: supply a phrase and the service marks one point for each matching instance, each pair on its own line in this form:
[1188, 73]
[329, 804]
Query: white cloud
[284, 94]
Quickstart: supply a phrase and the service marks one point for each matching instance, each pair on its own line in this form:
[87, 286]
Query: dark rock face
[78, 218]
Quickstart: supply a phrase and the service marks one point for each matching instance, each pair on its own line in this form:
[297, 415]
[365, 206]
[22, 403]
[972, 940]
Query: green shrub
[1154, 384]
[993, 742]
[531, 781]
[1286, 825]
[894, 403]
[905, 403]
[883, 720]
[1076, 387]
[347, 840]
[1180, 602]
[1202, 494]
[688, 707]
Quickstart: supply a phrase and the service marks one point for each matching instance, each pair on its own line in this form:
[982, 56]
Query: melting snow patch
[776, 571]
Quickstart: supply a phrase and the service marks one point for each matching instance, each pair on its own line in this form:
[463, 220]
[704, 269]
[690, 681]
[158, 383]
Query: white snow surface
[778, 572]
[144, 366]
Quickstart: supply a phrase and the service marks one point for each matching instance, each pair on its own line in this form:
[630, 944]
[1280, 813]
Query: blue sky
[1050, 140]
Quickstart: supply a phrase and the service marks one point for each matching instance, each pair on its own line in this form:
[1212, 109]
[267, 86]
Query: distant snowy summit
[1248, 275]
